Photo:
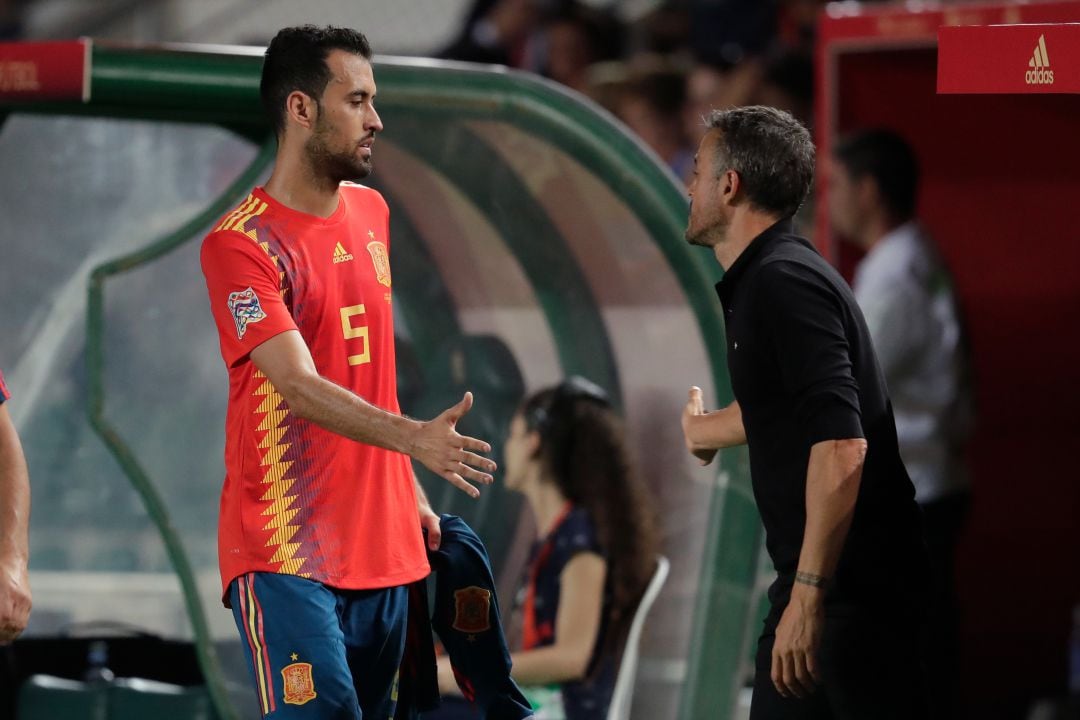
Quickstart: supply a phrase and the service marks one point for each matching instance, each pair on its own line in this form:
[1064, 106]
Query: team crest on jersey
[299, 685]
[245, 309]
[381, 259]
[472, 608]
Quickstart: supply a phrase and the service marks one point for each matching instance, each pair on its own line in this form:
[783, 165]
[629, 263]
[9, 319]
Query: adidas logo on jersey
[1040, 72]
[341, 254]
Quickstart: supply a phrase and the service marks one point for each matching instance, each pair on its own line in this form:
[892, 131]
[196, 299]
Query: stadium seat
[622, 697]
[47, 697]
[138, 699]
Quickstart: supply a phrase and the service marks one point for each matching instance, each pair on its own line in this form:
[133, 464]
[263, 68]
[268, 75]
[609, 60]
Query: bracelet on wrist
[805, 578]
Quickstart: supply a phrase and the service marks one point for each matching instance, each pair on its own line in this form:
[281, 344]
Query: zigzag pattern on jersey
[291, 472]
[279, 476]
[309, 460]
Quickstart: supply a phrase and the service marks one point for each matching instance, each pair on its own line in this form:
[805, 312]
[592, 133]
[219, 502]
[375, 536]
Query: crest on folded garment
[245, 309]
[381, 260]
[472, 610]
[299, 685]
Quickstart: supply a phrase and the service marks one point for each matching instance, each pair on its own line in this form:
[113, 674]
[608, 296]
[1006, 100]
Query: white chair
[624, 683]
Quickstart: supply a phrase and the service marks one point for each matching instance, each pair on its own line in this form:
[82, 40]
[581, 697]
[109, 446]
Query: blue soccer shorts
[319, 652]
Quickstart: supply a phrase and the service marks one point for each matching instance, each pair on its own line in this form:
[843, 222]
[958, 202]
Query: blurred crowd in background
[659, 74]
[658, 70]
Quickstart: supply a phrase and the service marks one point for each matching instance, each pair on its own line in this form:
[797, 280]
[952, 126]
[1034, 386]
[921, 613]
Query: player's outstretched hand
[450, 455]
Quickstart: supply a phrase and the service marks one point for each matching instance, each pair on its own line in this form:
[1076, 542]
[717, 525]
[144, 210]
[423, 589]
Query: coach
[842, 639]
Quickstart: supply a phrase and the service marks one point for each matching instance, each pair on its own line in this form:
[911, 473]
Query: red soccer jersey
[299, 499]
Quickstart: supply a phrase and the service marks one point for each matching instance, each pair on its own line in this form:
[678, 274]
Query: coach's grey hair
[772, 153]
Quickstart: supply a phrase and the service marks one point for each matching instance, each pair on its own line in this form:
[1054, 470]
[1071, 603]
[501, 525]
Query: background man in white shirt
[907, 297]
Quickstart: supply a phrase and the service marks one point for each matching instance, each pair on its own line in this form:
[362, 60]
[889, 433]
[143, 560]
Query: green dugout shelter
[531, 237]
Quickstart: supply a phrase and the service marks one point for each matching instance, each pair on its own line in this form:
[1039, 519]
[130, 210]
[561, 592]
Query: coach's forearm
[340, 411]
[717, 430]
[833, 477]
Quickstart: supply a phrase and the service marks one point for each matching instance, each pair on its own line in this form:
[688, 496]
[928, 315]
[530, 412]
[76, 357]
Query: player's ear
[301, 109]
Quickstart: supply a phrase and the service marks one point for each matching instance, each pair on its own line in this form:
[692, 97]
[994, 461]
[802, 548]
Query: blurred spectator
[574, 38]
[558, 38]
[745, 52]
[787, 83]
[10, 19]
[798, 23]
[651, 104]
[906, 295]
[662, 31]
[495, 31]
[716, 87]
[726, 32]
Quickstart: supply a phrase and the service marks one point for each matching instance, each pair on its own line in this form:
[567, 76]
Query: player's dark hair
[889, 161]
[296, 60]
[770, 150]
[583, 447]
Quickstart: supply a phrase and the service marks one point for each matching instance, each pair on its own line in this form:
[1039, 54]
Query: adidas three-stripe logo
[1039, 64]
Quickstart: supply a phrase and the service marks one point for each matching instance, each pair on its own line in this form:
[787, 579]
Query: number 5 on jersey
[351, 333]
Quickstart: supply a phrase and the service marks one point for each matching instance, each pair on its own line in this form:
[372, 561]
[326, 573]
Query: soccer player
[14, 520]
[321, 515]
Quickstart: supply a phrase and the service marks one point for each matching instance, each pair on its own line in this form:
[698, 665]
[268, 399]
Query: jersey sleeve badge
[472, 610]
[246, 309]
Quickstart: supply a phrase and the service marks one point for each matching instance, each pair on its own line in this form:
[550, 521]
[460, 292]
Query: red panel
[45, 70]
[1009, 59]
[998, 193]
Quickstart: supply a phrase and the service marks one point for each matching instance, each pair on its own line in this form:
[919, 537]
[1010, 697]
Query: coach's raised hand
[449, 454]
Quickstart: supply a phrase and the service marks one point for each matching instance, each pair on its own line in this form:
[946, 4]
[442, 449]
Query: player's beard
[335, 165]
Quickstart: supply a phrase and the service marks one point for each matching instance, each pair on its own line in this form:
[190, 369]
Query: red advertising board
[1009, 59]
[45, 70]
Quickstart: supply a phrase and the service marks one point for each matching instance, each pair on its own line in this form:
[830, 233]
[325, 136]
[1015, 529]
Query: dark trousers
[871, 667]
[943, 521]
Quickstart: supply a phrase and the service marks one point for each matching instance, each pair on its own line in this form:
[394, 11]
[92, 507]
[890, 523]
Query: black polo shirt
[803, 370]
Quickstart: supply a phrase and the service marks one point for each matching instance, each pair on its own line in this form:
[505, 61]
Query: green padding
[426, 305]
[44, 697]
[136, 699]
[483, 176]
